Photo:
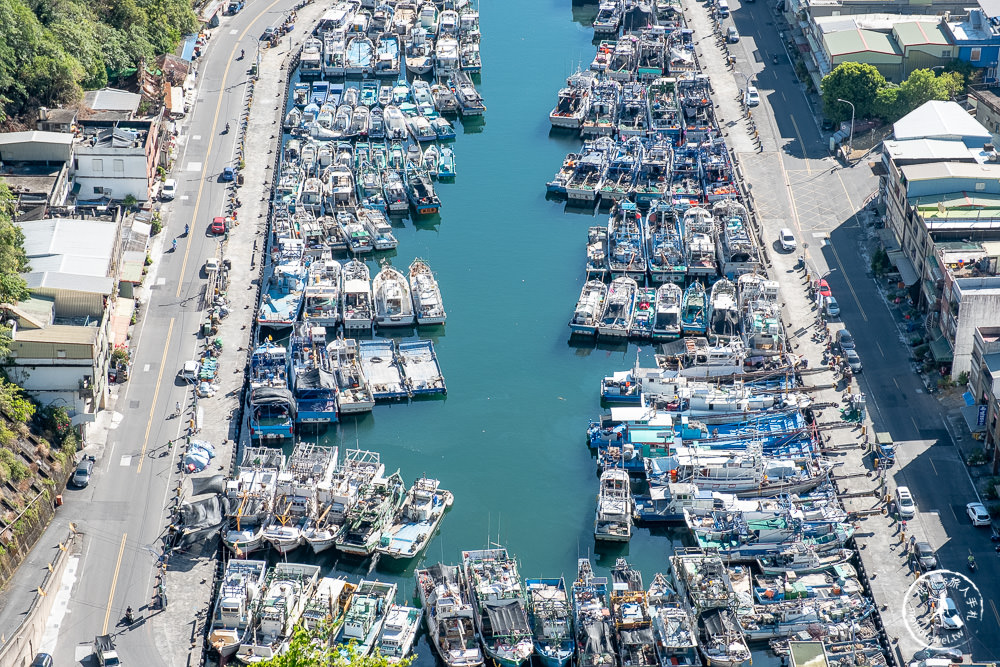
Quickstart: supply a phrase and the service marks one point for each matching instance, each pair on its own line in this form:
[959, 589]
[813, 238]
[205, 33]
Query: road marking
[995, 614]
[882, 352]
[195, 166]
[893, 379]
[196, 137]
[114, 582]
[161, 281]
[805, 157]
[156, 393]
[126, 460]
[850, 286]
[933, 467]
[184, 198]
[145, 368]
[60, 606]
[233, 31]
[914, 423]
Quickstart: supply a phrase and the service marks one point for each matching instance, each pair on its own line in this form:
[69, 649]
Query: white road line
[59, 607]
[126, 461]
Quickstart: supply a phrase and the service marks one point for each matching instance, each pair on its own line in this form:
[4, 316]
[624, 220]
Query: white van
[723, 8]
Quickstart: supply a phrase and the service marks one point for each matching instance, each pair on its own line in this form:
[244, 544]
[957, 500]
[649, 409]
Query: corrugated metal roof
[70, 282]
[112, 99]
[911, 33]
[36, 136]
[930, 149]
[859, 41]
[933, 170]
[81, 247]
[939, 120]
[58, 333]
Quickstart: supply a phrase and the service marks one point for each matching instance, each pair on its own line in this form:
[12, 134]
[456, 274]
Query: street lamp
[850, 141]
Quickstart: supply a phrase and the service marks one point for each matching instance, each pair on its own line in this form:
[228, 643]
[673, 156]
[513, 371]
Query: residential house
[982, 407]
[977, 39]
[986, 107]
[35, 165]
[115, 159]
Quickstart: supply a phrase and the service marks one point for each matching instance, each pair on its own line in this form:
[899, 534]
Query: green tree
[920, 87]
[13, 260]
[858, 83]
[312, 648]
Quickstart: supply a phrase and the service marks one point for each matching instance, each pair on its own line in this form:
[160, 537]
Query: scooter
[774, 59]
[972, 563]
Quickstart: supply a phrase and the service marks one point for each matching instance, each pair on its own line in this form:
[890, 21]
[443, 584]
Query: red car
[218, 226]
[824, 288]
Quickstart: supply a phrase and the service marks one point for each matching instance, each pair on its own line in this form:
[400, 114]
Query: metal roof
[112, 99]
[36, 136]
[934, 170]
[69, 282]
[912, 33]
[80, 246]
[931, 150]
[847, 42]
[58, 333]
[940, 120]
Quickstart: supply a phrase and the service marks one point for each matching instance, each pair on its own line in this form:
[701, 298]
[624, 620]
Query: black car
[41, 660]
[925, 557]
[81, 477]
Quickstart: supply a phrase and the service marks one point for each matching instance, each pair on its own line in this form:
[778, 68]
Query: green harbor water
[509, 439]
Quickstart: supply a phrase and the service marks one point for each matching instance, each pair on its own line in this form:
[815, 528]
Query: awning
[878, 169]
[941, 350]
[888, 239]
[973, 414]
[902, 263]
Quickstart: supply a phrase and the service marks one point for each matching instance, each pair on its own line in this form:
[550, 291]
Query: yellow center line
[156, 393]
[211, 141]
[114, 582]
[805, 158]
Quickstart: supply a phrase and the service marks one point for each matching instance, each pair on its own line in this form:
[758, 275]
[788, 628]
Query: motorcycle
[774, 59]
[972, 563]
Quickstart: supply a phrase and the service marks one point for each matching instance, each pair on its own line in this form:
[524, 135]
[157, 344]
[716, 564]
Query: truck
[884, 449]
[104, 649]
[234, 7]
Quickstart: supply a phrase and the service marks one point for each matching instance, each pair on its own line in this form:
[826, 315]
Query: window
[97, 165]
[975, 54]
[980, 185]
[98, 190]
[946, 53]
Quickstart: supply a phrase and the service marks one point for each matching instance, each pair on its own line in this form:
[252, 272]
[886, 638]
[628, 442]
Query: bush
[880, 262]
[978, 458]
[963, 378]
[155, 225]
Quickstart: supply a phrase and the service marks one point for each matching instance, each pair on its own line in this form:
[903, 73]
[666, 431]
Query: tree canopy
[53, 49]
[874, 97]
[311, 648]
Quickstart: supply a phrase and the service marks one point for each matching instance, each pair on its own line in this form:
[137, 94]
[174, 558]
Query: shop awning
[902, 263]
[973, 414]
[941, 350]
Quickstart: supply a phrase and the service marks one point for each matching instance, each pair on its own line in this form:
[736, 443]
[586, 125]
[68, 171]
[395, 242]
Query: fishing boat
[602, 116]
[359, 468]
[586, 177]
[376, 123]
[419, 52]
[591, 618]
[238, 594]
[597, 252]
[449, 614]
[282, 295]
[300, 94]
[551, 621]
[652, 183]
[589, 308]
[393, 303]
[382, 368]
[328, 604]
[495, 586]
[420, 191]
[366, 616]
[469, 57]
[427, 303]
[370, 187]
[470, 102]
[652, 54]
[429, 160]
[664, 244]
[573, 101]
[840, 615]
[421, 368]
[251, 496]
[398, 632]
[358, 305]
[395, 123]
[801, 559]
[359, 238]
[373, 511]
[321, 297]
[421, 129]
[272, 405]
[309, 467]
[644, 316]
[633, 112]
[722, 643]
[609, 18]
[694, 307]
[446, 169]
[387, 55]
[379, 227]
[447, 58]
[736, 248]
[313, 382]
[613, 519]
[623, 169]
[395, 191]
[354, 392]
[667, 322]
[444, 129]
[360, 56]
[626, 252]
[700, 232]
[664, 112]
[287, 588]
[673, 625]
[369, 93]
[417, 519]
[602, 56]
[444, 98]
[723, 313]
[630, 611]
[618, 308]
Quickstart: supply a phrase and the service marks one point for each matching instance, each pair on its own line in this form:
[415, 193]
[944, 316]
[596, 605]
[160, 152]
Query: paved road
[123, 516]
[796, 183]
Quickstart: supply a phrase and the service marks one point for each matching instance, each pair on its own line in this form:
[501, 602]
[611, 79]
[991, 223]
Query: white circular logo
[942, 609]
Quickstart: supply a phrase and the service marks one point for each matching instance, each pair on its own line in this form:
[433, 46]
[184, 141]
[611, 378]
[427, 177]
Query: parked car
[831, 306]
[904, 501]
[787, 239]
[949, 616]
[824, 288]
[752, 96]
[81, 477]
[978, 514]
[218, 226]
[189, 371]
[732, 35]
[853, 361]
[41, 660]
[925, 557]
[845, 340]
[169, 189]
[228, 174]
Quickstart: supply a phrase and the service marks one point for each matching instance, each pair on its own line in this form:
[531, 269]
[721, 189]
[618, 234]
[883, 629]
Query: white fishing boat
[427, 303]
[417, 519]
[723, 313]
[398, 632]
[573, 101]
[380, 228]
[470, 102]
[395, 123]
[359, 239]
[289, 586]
[613, 519]
[366, 617]
[235, 600]
[419, 53]
[589, 308]
[358, 306]
[355, 395]
[618, 308]
[309, 467]
[495, 584]
[395, 192]
[251, 496]
[446, 55]
[449, 614]
[321, 298]
[393, 303]
[359, 468]
[667, 323]
[328, 604]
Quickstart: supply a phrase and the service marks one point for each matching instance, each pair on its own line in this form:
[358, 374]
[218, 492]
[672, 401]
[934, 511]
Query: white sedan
[948, 615]
[978, 514]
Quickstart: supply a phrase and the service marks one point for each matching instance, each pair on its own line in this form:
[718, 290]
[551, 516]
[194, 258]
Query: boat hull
[582, 329]
[553, 660]
[355, 408]
[612, 332]
[352, 324]
[430, 321]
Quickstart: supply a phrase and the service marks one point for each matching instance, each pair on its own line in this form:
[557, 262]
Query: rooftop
[931, 150]
[864, 21]
[912, 33]
[941, 120]
[59, 333]
[35, 136]
[35, 177]
[70, 254]
[939, 170]
[847, 42]
[112, 99]
[957, 206]
[113, 137]
[977, 27]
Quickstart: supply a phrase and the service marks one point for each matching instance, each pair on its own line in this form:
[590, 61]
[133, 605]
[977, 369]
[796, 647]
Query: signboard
[982, 416]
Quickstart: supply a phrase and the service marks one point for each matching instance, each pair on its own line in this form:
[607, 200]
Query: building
[982, 409]
[924, 44]
[56, 120]
[115, 159]
[35, 165]
[985, 105]
[799, 9]
[863, 46]
[977, 39]
[61, 340]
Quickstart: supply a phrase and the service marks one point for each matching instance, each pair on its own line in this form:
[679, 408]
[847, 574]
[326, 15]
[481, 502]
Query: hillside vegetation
[54, 49]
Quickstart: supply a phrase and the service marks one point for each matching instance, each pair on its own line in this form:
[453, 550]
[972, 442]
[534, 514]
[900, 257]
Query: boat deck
[420, 364]
[378, 359]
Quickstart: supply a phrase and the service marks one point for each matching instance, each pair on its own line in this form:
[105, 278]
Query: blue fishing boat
[281, 300]
[627, 252]
[319, 92]
[591, 618]
[446, 164]
[369, 93]
[272, 405]
[314, 383]
[694, 309]
[387, 56]
[653, 180]
[420, 191]
[443, 128]
[665, 244]
[551, 621]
